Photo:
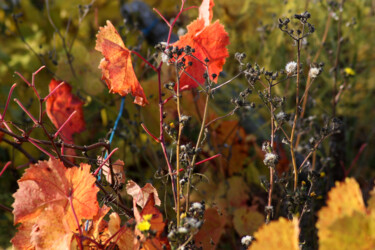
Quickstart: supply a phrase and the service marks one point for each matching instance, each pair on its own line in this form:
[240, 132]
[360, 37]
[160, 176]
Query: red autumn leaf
[98, 225]
[209, 41]
[47, 231]
[51, 183]
[60, 105]
[116, 66]
[141, 195]
[42, 203]
[205, 11]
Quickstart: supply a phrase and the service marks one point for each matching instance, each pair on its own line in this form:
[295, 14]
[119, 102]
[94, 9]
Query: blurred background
[61, 35]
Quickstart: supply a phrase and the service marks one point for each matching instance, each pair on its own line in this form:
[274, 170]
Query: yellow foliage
[281, 234]
[343, 200]
[344, 223]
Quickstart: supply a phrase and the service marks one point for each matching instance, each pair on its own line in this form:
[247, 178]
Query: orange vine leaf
[43, 200]
[123, 237]
[116, 66]
[209, 40]
[60, 105]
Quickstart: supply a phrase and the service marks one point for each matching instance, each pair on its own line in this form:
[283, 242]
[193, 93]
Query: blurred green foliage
[66, 46]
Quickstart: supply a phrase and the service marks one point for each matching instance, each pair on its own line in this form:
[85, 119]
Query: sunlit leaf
[43, 199]
[349, 232]
[280, 234]
[345, 223]
[124, 237]
[116, 66]
[210, 42]
[343, 200]
[205, 11]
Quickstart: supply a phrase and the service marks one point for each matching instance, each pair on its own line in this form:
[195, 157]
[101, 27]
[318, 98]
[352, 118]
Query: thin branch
[7, 103]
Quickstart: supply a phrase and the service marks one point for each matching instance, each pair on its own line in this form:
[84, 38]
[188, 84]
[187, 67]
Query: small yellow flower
[322, 174]
[349, 71]
[172, 125]
[183, 215]
[145, 225]
[147, 217]
[303, 183]
[313, 194]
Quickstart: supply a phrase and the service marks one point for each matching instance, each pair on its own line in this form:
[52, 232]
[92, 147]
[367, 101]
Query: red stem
[23, 78]
[189, 8]
[168, 99]
[208, 159]
[70, 198]
[149, 133]
[103, 163]
[40, 148]
[53, 91]
[34, 74]
[7, 103]
[162, 17]
[26, 111]
[356, 158]
[145, 60]
[5, 167]
[62, 126]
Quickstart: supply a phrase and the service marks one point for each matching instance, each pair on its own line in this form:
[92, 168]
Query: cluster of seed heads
[296, 34]
[191, 222]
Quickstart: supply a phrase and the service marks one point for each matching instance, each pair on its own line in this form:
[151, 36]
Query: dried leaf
[281, 234]
[238, 191]
[212, 229]
[118, 171]
[230, 139]
[116, 66]
[247, 220]
[209, 42]
[141, 195]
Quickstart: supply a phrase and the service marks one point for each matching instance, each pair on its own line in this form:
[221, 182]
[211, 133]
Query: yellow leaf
[349, 232]
[246, 220]
[281, 234]
[343, 200]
